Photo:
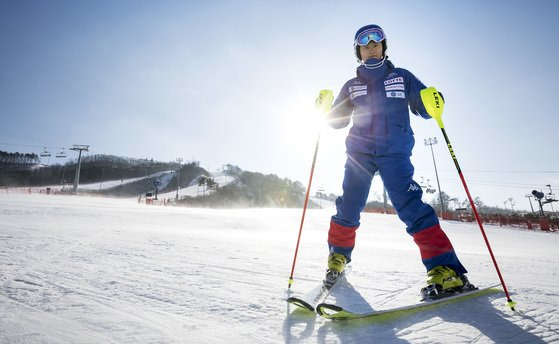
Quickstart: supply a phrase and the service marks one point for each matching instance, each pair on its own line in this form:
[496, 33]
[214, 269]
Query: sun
[303, 124]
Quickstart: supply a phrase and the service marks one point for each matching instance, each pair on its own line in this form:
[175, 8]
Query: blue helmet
[366, 34]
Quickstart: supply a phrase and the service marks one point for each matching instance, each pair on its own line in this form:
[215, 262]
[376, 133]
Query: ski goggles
[374, 34]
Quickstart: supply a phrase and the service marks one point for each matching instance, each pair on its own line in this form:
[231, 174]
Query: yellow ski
[334, 312]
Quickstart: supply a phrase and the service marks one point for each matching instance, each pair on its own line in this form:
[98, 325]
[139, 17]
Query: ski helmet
[366, 34]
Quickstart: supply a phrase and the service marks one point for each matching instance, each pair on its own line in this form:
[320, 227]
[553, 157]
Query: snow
[193, 190]
[165, 177]
[107, 184]
[98, 270]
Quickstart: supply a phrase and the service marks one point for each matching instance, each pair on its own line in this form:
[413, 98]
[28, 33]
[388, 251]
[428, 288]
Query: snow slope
[165, 177]
[96, 270]
[194, 190]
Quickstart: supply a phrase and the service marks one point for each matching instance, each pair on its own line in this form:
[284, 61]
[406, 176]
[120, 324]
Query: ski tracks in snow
[83, 270]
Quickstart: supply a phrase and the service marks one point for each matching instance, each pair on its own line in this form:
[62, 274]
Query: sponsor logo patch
[395, 94]
[357, 88]
[394, 87]
[394, 80]
[357, 94]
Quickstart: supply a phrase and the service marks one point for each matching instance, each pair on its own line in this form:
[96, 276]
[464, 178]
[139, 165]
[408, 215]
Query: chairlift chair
[61, 154]
[45, 153]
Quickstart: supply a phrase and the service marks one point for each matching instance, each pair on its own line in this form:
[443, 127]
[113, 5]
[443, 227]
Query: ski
[334, 312]
[317, 295]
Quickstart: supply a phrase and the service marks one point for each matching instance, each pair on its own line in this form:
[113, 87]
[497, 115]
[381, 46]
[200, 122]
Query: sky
[234, 82]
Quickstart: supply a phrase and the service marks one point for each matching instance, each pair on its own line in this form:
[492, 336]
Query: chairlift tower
[79, 148]
[179, 161]
[530, 199]
[551, 198]
[430, 142]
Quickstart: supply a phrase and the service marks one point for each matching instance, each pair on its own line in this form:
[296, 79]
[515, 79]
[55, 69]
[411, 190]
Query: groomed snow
[193, 190]
[97, 270]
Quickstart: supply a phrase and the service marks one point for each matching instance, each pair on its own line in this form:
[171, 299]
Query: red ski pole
[323, 104]
[434, 105]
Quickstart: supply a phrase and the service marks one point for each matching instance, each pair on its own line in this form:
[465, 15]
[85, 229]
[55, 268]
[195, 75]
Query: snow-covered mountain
[98, 270]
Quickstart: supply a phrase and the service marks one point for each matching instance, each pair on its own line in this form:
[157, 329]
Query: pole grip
[434, 104]
[323, 102]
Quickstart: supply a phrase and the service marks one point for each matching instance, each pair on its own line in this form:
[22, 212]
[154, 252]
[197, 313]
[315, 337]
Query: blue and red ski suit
[381, 140]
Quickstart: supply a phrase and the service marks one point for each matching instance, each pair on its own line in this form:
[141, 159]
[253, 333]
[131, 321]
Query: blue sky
[234, 82]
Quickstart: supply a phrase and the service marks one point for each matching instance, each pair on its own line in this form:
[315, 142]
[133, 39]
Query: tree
[211, 184]
[202, 181]
[512, 203]
[479, 203]
[18, 158]
[232, 170]
[456, 203]
[436, 202]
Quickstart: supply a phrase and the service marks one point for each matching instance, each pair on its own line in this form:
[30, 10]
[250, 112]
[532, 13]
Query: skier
[381, 140]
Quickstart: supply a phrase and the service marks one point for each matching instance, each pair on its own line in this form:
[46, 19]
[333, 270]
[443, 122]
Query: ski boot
[443, 281]
[336, 265]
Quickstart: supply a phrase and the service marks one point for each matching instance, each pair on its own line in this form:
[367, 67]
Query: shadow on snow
[301, 325]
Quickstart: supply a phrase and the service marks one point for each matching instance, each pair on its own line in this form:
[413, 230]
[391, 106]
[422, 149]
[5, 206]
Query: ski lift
[44, 153]
[429, 189]
[61, 154]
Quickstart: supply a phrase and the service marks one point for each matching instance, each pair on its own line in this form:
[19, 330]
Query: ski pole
[434, 105]
[323, 104]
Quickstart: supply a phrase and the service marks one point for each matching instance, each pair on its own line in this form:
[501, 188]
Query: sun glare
[303, 124]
